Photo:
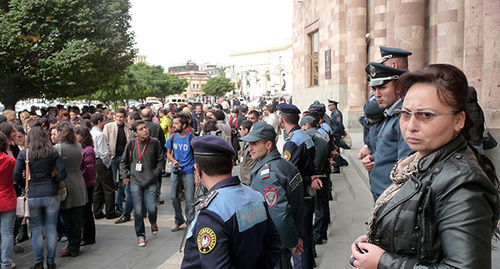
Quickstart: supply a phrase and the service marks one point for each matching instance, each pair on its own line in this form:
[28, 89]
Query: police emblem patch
[372, 71]
[287, 155]
[206, 240]
[271, 195]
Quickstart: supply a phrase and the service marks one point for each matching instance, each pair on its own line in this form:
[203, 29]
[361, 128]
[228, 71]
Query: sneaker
[141, 242]
[12, 265]
[176, 227]
[122, 219]
[64, 239]
[154, 229]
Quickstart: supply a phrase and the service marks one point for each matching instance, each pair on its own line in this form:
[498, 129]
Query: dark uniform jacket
[281, 185]
[299, 150]
[152, 161]
[233, 229]
[156, 131]
[443, 216]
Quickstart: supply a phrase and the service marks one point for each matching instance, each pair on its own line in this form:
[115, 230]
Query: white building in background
[262, 71]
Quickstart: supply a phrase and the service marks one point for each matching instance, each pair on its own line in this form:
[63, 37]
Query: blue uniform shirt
[233, 229]
[389, 148]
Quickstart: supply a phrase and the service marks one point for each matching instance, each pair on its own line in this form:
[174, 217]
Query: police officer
[233, 228]
[390, 146]
[299, 150]
[281, 185]
[395, 57]
[336, 120]
[322, 166]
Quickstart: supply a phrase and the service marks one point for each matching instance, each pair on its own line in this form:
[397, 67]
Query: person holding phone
[443, 206]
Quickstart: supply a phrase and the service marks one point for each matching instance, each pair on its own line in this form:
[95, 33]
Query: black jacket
[443, 216]
[152, 161]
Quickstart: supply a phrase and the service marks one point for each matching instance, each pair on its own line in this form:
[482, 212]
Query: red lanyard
[139, 147]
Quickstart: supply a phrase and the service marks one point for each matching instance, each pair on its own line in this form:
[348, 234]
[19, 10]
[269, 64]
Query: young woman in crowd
[43, 197]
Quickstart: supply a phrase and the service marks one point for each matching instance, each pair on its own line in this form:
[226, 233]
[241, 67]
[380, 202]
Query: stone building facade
[333, 40]
[262, 71]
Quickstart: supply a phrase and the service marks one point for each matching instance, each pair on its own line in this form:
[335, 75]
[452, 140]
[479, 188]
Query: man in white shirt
[104, 190]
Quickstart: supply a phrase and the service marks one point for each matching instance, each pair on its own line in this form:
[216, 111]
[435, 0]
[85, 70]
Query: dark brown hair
[67, 132]
[450, 83]
[84, 132]
[39, 143]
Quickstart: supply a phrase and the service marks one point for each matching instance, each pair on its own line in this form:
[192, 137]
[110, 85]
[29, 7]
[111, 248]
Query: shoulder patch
[290, 135]
[251, 215]
[309, 143]
[208, 199]
[287, 155]
[295, 181]
[207, 239]
[264, 172]
[270, 195]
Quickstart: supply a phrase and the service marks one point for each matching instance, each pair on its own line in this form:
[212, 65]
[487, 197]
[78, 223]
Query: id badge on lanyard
[138, 166]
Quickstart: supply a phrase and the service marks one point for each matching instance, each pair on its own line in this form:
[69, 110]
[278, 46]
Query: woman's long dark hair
[39, 143]
[453, 90]
[7, 129]
[84, 132]
[67, 133]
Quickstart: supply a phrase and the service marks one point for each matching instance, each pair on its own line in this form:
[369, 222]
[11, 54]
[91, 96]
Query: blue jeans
[147, 195]
[7, 220]
[44, 212]
[129, 205]
[188, 183]
[115, 168]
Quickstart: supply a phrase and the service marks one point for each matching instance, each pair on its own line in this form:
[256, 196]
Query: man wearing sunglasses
[390, 145]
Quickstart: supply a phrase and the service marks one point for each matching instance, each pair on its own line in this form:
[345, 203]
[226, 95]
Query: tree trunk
[9, 102]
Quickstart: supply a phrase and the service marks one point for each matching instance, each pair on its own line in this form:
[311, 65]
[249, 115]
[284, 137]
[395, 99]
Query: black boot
[37, 266]
[51, 266]
[22, 235]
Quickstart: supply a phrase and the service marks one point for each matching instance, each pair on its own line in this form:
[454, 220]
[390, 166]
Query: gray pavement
[116, 245]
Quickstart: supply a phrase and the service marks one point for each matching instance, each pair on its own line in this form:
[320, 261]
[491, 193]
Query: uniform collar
[230, 181]
[390, 111]
[269, 157]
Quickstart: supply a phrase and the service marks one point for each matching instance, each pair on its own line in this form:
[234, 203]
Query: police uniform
[299, 150]
[336, 121]
[233, 228]
[390, 145]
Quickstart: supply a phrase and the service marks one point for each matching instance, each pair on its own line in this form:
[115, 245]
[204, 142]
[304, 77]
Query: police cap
[288, 109]
[212, 145]
[381, 74]
[260, 130]
[306, 119]
[331, 101]
[388, 53]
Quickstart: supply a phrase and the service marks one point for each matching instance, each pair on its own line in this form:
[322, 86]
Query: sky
[171, 32]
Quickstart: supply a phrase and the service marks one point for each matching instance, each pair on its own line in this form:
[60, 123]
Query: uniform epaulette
[209, 199]
[289, 136]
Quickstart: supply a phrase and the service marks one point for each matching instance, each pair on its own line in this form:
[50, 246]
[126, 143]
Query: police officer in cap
[390, 146]
[336, 119]
[395, 57]
[299, 150]
[281, 185]
[233, 228]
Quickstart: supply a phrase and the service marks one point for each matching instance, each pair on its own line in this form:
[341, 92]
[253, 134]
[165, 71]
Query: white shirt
[100, 146]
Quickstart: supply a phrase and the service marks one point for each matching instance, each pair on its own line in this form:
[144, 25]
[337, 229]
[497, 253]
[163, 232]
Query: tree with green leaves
[218, 86]
[64, 48]
[141, 81]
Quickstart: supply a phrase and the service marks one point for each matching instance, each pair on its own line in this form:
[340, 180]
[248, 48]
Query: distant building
[196, 79]
[263, 71]
[213, 70]
[140, 59]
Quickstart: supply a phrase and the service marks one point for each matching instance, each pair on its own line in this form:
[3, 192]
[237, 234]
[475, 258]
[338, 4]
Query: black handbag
[489, 142]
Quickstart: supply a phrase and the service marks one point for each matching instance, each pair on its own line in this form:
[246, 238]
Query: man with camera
[180, 153]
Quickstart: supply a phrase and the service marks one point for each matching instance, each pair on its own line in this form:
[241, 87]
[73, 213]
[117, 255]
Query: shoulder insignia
[289, 136]
[209, 199]
[309, 143]
[295, 181]
[264, 172]
[287, 155]
[251, 215]
[270, 195]
[206, 240]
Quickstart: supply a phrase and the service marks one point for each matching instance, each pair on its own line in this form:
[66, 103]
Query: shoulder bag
[23, 209]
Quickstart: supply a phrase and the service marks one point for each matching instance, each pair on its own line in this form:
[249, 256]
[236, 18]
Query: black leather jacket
[443, 216]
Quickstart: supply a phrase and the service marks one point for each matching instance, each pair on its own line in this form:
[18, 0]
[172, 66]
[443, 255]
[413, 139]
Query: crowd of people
[436, 198]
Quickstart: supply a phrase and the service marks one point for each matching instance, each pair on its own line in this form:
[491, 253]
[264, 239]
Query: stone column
[356, 58]
[491, 64]
[474, 44]
[450, 32]
[409, 29]
[379, 29]
[390, 23]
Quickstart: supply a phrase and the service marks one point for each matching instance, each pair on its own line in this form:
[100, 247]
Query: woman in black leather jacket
[443, 206]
